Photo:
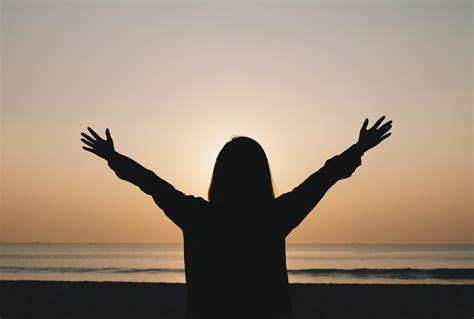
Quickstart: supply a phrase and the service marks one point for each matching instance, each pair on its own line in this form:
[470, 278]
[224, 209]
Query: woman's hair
[241, 174]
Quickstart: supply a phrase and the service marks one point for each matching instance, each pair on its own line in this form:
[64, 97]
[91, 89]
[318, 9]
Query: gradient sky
[175, 80]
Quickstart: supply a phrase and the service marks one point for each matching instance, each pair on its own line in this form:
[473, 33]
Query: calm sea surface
[307, 263]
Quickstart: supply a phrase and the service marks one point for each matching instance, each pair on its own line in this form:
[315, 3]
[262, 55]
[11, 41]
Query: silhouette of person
[234, 242]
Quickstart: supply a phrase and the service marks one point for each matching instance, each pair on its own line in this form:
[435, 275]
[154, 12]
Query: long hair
[241, 174]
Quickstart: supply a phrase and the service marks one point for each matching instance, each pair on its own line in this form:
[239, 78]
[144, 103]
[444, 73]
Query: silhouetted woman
[234, 244]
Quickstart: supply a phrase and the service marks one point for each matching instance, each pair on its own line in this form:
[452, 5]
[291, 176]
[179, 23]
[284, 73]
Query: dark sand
[55, 299]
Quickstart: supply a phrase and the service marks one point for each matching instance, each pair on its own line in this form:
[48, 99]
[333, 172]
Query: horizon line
[181, 243]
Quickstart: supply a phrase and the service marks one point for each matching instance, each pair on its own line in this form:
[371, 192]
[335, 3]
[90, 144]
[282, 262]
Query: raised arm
[294, 206]
[182, 209]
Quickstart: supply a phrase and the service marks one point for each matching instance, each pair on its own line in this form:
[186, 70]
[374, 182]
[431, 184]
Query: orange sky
[174, 81]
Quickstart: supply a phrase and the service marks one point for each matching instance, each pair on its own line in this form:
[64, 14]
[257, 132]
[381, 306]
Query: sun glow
[175, 82]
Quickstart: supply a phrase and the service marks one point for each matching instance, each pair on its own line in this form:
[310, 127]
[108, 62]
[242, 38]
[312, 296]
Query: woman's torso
[235, 265]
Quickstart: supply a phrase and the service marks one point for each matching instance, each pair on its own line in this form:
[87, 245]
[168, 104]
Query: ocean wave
[394, 273]
[80, 256]
[109, 270]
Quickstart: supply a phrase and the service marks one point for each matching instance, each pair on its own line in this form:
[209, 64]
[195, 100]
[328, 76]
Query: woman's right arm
[294, 206]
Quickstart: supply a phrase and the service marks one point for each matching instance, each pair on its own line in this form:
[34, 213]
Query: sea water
[307, 263]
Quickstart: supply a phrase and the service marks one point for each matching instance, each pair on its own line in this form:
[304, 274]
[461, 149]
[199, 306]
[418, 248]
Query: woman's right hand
[97, 145]
[369, 138]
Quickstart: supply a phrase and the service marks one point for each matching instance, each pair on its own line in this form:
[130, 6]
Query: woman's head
[241, 174]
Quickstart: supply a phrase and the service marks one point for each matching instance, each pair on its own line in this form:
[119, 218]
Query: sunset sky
[173, 81]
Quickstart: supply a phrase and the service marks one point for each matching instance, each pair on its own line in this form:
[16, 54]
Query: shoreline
[94, 299]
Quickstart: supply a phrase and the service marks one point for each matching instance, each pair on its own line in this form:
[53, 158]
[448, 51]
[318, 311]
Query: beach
[60, 299]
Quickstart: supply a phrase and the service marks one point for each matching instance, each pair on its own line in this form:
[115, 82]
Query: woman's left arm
[182, 209]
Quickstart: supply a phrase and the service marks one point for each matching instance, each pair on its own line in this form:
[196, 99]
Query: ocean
[307, 263]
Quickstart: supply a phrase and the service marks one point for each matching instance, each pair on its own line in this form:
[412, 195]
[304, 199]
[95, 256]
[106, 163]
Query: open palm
[369, 138]
[97, 145]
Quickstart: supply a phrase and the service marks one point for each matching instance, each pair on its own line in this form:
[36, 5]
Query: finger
[380, 120]
[94, 134]
[385, 136]
[364, 126]
[107, 133]
[87, 142]
[89, 149]
[385, 128]
[88, 137]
